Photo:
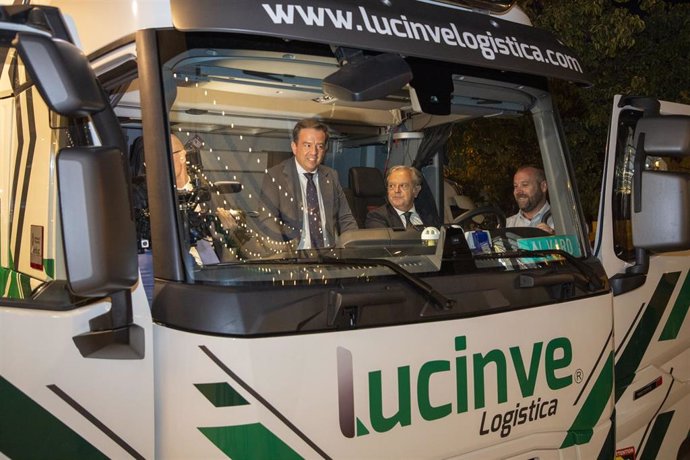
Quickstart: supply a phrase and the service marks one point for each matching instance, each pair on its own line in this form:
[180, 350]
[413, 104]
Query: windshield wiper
[594, 283]
[442, 302]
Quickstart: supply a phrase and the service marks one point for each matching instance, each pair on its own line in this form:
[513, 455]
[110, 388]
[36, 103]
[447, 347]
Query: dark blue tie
[408, 216]
[313, 213]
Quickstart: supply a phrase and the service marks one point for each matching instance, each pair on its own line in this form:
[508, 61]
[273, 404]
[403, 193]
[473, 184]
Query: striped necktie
[314, 213]
[408, 216]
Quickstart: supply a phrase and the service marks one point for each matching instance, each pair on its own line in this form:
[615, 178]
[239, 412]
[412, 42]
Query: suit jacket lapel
[394, 218]
[327, 194]
[291, 185]
[426, 219]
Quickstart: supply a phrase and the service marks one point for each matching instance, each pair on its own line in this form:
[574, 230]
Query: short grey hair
[414, 172]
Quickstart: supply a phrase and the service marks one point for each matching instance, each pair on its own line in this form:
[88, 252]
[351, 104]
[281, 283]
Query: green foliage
[486, 167]
[630, 47]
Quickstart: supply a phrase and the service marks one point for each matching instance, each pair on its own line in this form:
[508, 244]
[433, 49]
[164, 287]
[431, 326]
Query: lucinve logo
[465, 372]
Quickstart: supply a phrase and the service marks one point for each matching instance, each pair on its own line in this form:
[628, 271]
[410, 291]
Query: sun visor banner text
[407, 27]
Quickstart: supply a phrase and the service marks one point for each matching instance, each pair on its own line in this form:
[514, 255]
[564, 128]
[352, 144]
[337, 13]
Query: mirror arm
[641, 266]
[108, 129]
[42, 17]
[346, 55]
[637, 175]
[119, 315]
[634, 276]
[113, 335]
[107, 126]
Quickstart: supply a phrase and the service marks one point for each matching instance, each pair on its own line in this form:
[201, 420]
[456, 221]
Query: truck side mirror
[62, 75]
[661, 199]
[663, 223]
[97, 222]
[98, 228]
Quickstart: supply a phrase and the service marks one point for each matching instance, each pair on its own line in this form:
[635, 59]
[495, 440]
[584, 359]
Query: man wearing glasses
[403, 184]
[302, 200]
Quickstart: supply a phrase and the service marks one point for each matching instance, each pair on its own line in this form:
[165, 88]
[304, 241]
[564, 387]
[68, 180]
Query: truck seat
[368, 191]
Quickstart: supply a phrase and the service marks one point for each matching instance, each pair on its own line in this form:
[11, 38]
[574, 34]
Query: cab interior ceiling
[257, 91]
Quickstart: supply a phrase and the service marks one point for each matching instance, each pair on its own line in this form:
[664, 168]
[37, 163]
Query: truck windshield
[245, 208]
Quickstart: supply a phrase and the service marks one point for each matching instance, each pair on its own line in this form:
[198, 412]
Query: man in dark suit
[302, 200]
[403, 184]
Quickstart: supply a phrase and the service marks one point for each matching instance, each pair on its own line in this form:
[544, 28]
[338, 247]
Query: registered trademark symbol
[578, 375]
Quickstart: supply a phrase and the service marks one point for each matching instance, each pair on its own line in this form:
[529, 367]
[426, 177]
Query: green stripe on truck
[249, 442]
[642, 336]
[678, 313]
[582, 428]
[28, 431]
[656, 436]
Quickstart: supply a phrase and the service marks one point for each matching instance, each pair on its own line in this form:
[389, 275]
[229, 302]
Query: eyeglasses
[401, 186]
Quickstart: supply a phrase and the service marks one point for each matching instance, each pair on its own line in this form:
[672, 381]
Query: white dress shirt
[305, 238]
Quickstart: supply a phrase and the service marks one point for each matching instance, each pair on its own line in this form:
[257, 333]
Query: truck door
[649, 274]
[76, 378]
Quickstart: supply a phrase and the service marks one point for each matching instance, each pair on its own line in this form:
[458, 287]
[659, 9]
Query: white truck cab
[147, 319]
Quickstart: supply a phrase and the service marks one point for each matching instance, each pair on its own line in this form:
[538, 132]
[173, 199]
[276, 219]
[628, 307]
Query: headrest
[367, 182]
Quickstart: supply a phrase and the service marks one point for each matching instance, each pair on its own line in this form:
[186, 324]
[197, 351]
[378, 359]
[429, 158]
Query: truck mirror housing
[368, 78]
[62, 74]
[661, 199]
[665, 135]
[98, 231]
[662, 223]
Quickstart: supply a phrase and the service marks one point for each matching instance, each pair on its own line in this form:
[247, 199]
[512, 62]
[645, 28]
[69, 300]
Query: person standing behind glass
[302, 200]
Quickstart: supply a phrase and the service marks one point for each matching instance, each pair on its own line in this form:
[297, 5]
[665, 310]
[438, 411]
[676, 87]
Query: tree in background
[484, 154]
[633, 47]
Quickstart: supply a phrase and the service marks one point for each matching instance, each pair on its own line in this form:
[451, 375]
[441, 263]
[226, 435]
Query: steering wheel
[482, 211]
